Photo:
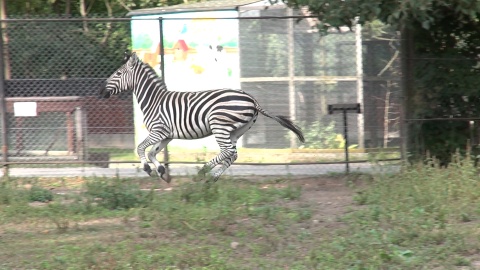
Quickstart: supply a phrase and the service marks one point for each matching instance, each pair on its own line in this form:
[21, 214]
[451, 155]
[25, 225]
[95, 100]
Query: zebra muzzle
[104, 93]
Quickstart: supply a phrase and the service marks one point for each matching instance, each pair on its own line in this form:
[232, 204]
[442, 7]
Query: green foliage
[426, 14]
[39, 194]
[116, 193]
[71, 7]
[424, 217]
[9, 194]
[205, 207]
[199, 220]
[47, 50]
[444, 58]
[57, 213]
[419, 218]
[321, 136]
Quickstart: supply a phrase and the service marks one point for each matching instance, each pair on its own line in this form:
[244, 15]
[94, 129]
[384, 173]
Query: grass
[117, 224]
[425, 217]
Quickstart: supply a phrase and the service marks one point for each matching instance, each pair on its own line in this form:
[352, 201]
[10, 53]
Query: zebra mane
[148, 68]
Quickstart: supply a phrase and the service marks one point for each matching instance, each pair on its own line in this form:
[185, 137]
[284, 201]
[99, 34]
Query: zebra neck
[149, 92]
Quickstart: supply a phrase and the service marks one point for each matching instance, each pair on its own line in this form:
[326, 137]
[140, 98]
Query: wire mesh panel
[55, 68]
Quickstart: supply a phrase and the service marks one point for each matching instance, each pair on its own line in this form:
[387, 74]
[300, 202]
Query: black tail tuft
[284, 121]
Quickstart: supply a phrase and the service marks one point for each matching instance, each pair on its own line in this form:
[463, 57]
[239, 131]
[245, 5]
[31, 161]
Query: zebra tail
[284, 121]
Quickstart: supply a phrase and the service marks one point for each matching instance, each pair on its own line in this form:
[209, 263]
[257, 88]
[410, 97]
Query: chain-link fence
[55, 125]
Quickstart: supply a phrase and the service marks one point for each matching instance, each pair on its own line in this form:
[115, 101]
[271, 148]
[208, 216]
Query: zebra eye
[118, 73]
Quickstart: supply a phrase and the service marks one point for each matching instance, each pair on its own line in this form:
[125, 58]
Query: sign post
[345, 108]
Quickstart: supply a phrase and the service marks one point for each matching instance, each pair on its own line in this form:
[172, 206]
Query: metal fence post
[345, 137]
[345, 108]
[166, 158]
[3, 109]
[407, 108]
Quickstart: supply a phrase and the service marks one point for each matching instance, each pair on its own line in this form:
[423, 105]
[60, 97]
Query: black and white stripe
[225, 113]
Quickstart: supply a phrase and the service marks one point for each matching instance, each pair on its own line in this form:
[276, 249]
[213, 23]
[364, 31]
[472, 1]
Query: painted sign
[25, 109]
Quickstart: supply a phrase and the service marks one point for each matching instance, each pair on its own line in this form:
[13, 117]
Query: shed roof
[213, 5]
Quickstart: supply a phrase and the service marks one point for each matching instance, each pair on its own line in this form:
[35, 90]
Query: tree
[441, 61]
[48, 49]
[82, 8]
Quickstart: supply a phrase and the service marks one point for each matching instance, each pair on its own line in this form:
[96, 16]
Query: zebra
[224, 113]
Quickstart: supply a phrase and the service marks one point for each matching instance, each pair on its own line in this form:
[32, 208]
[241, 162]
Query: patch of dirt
[331, 195]
[330, 198]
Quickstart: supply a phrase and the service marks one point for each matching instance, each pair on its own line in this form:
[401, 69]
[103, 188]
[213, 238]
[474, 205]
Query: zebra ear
[133, 58]
[126, 56]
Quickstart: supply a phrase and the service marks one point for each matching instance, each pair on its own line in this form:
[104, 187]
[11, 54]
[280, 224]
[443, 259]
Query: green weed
[39, 194]
[116, 193]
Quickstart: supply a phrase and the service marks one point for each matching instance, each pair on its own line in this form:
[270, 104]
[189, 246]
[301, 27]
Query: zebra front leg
[152, 156]
[158, 134]
[141, 153]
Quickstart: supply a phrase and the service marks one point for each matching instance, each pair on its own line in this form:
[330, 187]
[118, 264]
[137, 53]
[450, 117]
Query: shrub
[321, 136]
[39, 194]
[116, 193]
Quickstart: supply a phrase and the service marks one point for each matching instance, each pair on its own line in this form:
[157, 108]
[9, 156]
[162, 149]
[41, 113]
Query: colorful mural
[199, 53]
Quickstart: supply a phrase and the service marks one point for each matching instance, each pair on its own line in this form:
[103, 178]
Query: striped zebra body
[225, 113]
[195, 113]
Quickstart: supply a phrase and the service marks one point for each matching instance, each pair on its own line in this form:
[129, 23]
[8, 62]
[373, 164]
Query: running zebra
[168, 115]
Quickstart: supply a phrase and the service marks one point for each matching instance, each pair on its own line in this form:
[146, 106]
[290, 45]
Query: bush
[39, 194]
[116, 193]
[9, 194]
[321, 136]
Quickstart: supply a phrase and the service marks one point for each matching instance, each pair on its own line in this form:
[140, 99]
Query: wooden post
[291, 75]
[19, 135]
[3, 110]
[70, 135]
[80, 133]
[359, 64]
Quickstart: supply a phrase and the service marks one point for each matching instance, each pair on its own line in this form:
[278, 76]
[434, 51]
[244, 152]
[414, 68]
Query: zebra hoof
[202, 174]
[198, 178]
[212, 178]
[161, 173]
[147, 169]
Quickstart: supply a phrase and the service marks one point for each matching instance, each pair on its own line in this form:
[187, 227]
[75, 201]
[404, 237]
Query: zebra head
[122, 79]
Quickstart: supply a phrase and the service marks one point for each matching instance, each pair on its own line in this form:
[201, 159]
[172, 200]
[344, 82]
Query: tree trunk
[108, 25]
[6, 58]
[68, 8]
[83, 12]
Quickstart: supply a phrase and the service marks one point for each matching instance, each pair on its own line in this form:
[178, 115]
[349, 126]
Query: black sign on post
[345, 108]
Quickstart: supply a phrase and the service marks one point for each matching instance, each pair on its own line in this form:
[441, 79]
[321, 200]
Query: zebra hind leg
[225, 164]
[202, 173]
[227, 140]
[226, 158]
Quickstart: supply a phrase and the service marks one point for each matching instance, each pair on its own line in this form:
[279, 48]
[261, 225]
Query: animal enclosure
[283, 62]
